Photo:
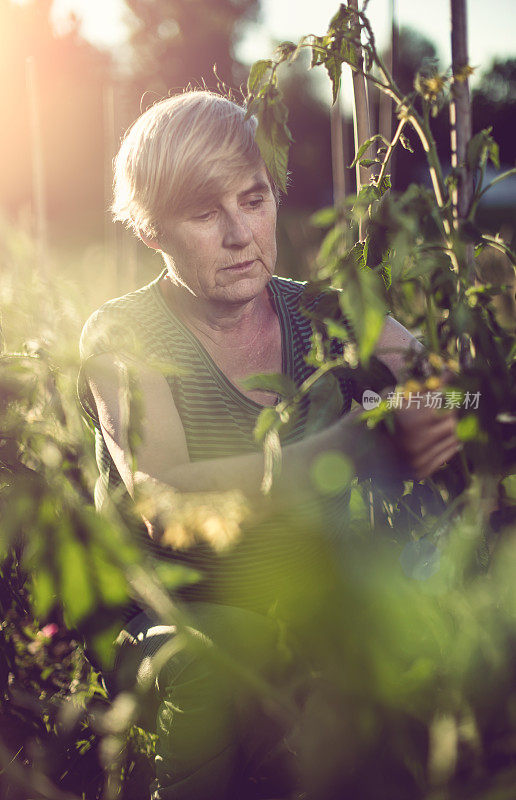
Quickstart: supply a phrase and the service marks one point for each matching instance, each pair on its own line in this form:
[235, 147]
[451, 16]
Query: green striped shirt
[218, 420]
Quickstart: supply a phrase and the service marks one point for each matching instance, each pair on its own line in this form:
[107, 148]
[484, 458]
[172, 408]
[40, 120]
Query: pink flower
[50, 630]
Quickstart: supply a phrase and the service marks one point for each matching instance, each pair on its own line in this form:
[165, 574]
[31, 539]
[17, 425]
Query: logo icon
[370, 399]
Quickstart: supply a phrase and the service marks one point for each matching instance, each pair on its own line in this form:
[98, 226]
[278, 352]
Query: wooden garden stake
[460, 112]
[361, 119]
[460, 132]
[385, 102]
[337, 153]
[38, 174]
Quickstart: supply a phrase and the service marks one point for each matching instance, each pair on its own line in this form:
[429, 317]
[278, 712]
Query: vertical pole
[38, 174]
[362, 131]
[110, 244]
[385, 102]
[126, 245]
[361, 119]
[337, 152]
[460, 132]
[460, 110]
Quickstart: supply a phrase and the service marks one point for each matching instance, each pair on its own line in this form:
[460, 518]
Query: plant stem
[391, 147]
[430, 323]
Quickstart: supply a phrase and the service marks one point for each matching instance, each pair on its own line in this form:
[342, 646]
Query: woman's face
[225, 252]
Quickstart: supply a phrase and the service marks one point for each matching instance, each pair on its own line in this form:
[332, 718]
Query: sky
[103, 23]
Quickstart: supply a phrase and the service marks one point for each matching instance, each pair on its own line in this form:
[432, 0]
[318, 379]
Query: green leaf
[357, 507]
[334, 68]
[317, 54]
[384, 185]
[362, 302]
[337, 331]
[367, 144]
[358, 253]
[109, 578]
[267, 419]
[475, 148]
[331, 243]
[272, 458]
[273, 138]
[272, 382]
[173, 576]
[43, 591]
[287, 50]
[366, 196]
[509, 485]
[494, 155]
[324, 217]
[468, 428]
[76, 587]
[326, 403]
[405, 143]
[385, 273]
[257, 74]
[342, 17]
[481, 147]
[280, 112]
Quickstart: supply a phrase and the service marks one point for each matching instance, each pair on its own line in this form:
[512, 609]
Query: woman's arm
[395, 346]
[163, 456]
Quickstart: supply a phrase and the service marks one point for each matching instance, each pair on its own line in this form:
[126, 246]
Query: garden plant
[413, 691]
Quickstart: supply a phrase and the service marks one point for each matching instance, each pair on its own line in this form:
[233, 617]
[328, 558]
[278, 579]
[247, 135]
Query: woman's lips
[243, 265]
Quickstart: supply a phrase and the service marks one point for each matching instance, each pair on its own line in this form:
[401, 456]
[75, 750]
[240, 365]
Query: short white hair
[180, 153]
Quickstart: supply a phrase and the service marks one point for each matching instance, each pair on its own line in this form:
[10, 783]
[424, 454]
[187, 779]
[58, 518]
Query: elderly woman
[191, 183]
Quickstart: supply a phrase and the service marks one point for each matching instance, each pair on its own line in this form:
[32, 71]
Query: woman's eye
[255, 202]
[205, 216]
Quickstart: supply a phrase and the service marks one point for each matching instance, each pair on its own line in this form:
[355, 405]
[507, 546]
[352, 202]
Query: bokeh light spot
[331, 472]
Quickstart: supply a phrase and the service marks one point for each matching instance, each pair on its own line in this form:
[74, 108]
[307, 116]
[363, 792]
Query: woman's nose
[238, 232]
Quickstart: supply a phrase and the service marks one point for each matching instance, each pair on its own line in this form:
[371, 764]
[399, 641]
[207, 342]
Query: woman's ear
[148, 240]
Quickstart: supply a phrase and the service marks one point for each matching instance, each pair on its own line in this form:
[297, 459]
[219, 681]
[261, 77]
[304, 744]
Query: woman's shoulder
[311, 297]
[116, 323]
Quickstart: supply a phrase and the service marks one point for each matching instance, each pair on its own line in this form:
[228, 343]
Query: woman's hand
[425, 439]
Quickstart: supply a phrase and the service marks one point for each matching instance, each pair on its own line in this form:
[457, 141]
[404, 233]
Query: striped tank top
[269, 560]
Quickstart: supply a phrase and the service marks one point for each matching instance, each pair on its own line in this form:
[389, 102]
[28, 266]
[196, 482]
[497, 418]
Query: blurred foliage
[69, 78]
[403, 641]
[174, 44]
[63, 571]
[181, 42]
[494, 103]
[446, 532]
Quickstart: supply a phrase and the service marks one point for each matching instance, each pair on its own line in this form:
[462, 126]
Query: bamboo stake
[38, 174]
[125, 112]
[337, 153]
[385, 102]
[460, 132]
[361, 119]
[362, 131]
[460, 110]
[110, 244]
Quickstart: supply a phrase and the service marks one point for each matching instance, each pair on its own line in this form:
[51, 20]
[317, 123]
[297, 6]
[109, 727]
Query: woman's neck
[218, 321]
